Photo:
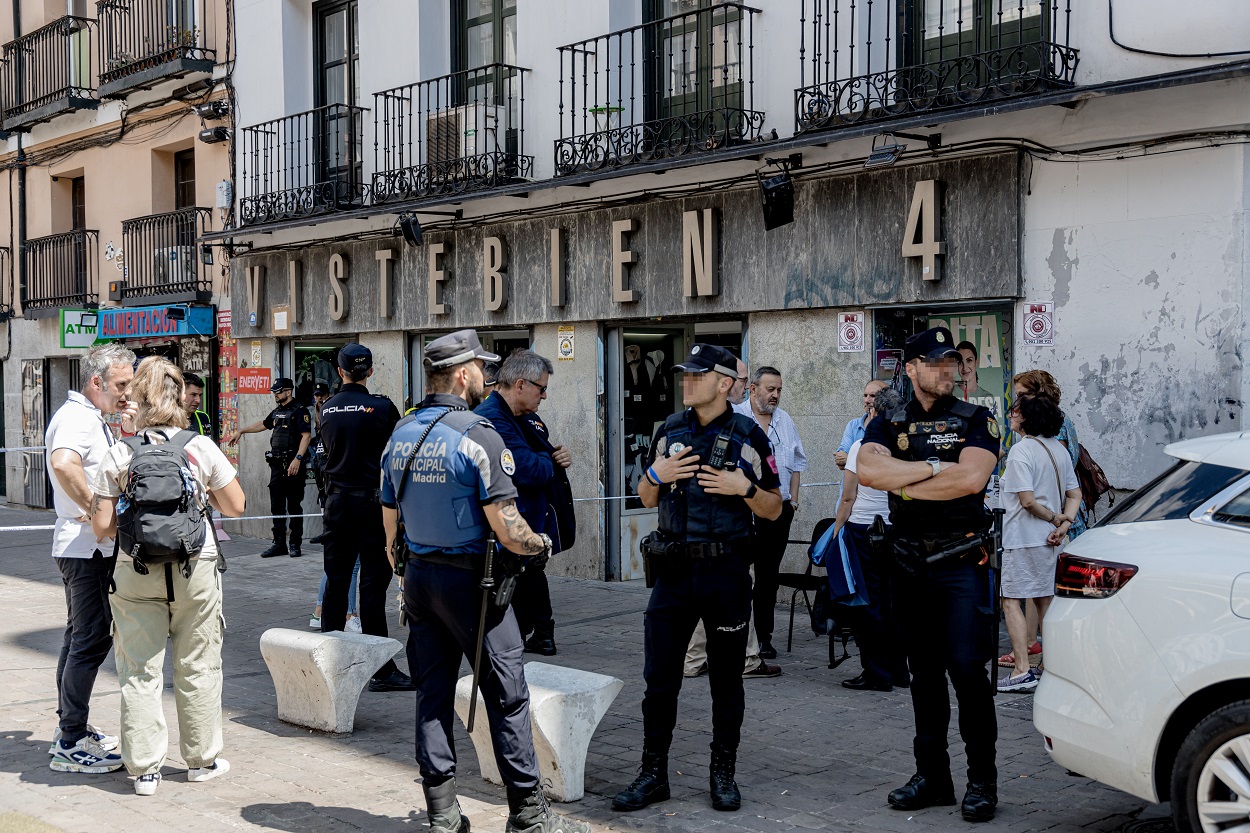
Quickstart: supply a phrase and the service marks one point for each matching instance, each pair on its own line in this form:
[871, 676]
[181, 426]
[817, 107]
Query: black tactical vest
[689, 514]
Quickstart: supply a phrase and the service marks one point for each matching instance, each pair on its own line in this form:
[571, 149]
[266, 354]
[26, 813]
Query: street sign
[78, 327]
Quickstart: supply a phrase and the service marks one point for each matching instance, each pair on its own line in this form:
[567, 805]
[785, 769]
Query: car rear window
[1175, 493]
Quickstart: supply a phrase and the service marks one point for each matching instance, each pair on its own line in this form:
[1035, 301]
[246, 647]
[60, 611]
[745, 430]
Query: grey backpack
[162, 512]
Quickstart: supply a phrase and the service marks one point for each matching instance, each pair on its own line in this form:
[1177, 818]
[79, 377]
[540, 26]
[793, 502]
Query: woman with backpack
[161, 483]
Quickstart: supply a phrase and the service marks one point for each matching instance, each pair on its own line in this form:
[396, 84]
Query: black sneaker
[395, 681]
[319, 539]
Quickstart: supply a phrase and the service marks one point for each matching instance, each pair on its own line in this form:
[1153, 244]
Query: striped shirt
[783, 437]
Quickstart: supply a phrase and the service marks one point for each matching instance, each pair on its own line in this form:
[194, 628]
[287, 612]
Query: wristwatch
[751, 492]
[299, 456]
[937, 465]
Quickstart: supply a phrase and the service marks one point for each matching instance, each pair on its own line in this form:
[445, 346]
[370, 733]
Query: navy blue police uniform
[700, 564]
[355, 425]
[945, 610]
[287, 424]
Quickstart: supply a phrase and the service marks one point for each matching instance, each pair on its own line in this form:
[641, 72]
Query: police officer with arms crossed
[288, 464]
[935, 455]
[710, 470]
[447, 477]
[355, 425]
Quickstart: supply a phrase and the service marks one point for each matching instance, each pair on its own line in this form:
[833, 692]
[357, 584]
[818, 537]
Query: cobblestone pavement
[814, 756]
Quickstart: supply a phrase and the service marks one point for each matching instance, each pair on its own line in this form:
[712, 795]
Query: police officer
[355, 425]
[288, 464]
[192, 399]
[447, 477]
[935, 455]
[709, 470]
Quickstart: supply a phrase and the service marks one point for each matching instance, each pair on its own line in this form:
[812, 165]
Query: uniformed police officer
[355, 425]
[709, 470]
[935, 455]
[449, 473]
[192, 399]
[288, 464]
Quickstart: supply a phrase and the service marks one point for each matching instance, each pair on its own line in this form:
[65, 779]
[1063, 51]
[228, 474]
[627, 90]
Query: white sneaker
[315, 623]
[353, 625]
[220, 767]
[147, 784]
[107, 742]
[84, 756]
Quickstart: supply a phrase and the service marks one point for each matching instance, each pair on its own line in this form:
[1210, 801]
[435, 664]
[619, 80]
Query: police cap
[457, 348]
[281, 383]
[931, 345]
[321, 389]
[705, 357]
[355, 357]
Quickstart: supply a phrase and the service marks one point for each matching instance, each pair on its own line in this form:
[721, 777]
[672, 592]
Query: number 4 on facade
[924, 224]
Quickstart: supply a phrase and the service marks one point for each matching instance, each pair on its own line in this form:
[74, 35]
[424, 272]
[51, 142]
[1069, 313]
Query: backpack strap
[967, 410]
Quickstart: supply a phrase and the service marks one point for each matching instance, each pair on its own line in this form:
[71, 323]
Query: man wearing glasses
[535, 466]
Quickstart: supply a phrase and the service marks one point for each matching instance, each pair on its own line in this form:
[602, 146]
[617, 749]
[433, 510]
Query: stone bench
[319, 676]
[566, 706]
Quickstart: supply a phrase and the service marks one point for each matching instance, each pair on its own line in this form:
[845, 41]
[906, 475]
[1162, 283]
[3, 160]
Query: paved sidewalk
[814, 755]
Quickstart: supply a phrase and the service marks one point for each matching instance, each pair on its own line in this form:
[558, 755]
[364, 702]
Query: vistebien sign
[78, 327]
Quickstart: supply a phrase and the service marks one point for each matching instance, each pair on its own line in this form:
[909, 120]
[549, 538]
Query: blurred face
[766, 394]
[870, 393]
[475, 383]
[320, 398]
[192, 398]
[702, 388]
[530, 394]
[935, 377]
[283, 396]
[968, 367]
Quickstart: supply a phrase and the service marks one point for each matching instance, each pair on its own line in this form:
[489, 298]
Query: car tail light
[1086, 578]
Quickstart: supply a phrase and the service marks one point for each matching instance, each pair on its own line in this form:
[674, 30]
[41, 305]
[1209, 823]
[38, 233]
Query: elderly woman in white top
[880, 653]
[1041, 498]
[162, 604]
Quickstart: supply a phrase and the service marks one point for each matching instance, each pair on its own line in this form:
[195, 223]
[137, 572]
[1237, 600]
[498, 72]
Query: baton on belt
[487, 585]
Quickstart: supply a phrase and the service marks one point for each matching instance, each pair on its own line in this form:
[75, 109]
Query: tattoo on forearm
[95, 504]
[519, 531]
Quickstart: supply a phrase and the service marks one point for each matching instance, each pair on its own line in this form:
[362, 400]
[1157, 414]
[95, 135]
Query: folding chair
[810, 582]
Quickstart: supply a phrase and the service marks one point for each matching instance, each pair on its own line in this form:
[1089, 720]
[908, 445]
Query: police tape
[23, 448]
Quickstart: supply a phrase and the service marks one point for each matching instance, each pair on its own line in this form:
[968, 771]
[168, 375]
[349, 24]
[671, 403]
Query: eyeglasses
[541, 388]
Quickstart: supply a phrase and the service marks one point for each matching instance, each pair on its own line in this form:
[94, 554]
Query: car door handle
[1241, 596]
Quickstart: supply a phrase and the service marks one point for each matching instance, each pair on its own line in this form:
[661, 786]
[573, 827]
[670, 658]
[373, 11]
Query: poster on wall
[1039, 325]
[228, 391]
[982, 370]
[851, 332]
[194, 356]
[564, 340]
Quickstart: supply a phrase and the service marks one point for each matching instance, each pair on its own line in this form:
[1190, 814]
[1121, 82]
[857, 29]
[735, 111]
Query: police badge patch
[991, 425]
[507, 463]
[903, 442]
[675, 449]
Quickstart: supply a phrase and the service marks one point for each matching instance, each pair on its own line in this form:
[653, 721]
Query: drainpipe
[19, 247]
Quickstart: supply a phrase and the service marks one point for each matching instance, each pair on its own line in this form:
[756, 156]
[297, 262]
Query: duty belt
[359, 491]
[697, 551]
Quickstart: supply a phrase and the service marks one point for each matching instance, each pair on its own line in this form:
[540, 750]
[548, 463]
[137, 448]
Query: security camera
[212, 110]
[215, 135]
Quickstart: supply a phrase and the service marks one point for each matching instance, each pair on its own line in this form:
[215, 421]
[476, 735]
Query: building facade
[1064, 189]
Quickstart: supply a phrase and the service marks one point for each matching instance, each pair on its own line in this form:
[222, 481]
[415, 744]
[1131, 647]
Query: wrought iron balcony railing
[62, 270]
[461, 132]
[48, 72]
[163, 264]
[302, 165]
[684, 84]
[873, 60]
[144, 41]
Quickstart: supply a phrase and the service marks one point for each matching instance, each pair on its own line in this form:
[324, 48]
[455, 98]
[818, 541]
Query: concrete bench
[319, 676]
[566, 706]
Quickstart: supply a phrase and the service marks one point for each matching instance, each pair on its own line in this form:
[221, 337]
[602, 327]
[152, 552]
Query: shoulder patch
[991, 425]
[507, 463]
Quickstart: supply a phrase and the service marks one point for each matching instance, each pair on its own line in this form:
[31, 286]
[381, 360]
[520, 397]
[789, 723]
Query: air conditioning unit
[175, 264]
[463, 132]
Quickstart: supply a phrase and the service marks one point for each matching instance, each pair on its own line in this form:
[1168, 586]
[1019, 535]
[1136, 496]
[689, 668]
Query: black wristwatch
[299, 456]
[751, 492]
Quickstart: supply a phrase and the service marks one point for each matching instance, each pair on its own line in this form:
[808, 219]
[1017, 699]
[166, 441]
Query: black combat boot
[276, 548]
[543, 641]
[725, 795]
[530, 813]
[650, 786]
[295, 550]
[443, 810]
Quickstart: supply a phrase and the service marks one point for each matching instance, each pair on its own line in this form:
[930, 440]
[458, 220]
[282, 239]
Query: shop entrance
[499, 342]
[312, 362]
[642, 392]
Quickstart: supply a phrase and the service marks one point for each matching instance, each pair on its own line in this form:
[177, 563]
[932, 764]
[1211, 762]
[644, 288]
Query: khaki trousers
[143, 618]
[696, 652]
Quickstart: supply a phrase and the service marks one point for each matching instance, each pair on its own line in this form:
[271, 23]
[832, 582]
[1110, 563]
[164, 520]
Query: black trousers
[354, 520]
[946, 618]
[876, 631]
[88, 638]
[531, 601]
[443, 604]
[770, 541]
[286, 493]
[718, 592]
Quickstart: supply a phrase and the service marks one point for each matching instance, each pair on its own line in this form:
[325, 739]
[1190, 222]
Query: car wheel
[1211, 776]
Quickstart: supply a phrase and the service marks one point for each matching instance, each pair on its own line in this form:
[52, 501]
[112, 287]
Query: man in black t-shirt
[935, 456]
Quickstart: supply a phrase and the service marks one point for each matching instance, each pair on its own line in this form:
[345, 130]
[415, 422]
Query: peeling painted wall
[1145, 260]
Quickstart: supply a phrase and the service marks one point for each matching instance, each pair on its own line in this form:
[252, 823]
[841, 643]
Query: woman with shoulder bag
[1040, 496]
[180, 602]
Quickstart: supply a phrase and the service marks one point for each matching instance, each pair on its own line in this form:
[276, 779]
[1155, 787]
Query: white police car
[1147, 683]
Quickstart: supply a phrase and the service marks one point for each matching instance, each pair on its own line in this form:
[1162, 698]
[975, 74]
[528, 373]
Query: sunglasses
[541, 388]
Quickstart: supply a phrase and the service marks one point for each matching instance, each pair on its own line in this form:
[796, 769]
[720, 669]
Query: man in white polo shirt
[75, 443]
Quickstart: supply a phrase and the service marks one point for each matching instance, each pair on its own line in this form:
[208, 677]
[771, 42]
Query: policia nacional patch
[507, 463]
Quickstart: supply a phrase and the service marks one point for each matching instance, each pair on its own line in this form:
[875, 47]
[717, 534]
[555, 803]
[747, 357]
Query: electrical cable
[1127, 48]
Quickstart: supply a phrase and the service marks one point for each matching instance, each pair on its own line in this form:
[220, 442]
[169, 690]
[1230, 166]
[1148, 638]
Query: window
[78, 202]
[1236, 511]
[484, 32]
[953, 30]
[338, 128]
[1175, 493]
[698, 53]
[184, 179]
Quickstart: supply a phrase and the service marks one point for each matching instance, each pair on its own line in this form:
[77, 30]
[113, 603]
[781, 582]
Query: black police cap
[931, 345]
[355, 357]
[709, 357]
[281, 383]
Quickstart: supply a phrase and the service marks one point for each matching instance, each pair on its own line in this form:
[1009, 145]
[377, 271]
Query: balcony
[303, 165]
[461, 132]
[62, 270]
[875, 60]
[48, 72]
[146, 41]
[163, 263]
[672, 87]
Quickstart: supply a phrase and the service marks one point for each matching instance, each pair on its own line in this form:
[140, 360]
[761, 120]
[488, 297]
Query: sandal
[1035, 657]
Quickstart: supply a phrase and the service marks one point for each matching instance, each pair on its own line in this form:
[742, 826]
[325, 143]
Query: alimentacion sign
[149, 322]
